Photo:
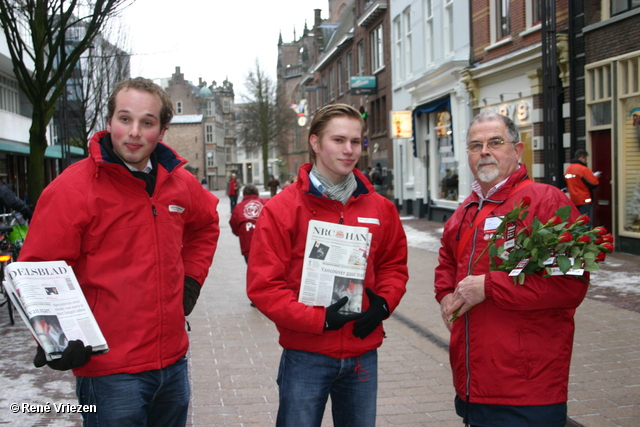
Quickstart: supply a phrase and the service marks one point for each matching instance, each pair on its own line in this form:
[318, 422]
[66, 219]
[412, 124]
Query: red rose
[600, 231]
[608, 247]
[525, 202]
[583, 219]
[565, 237]
[608, 238]
[554, 221]
[584, 239]
[600, 257]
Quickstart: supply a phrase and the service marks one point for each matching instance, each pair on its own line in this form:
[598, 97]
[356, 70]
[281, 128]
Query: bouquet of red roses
[557, 246]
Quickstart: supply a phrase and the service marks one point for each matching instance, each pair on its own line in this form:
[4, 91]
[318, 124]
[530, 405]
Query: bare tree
[36, 33]
[265, 119]
[92, 82]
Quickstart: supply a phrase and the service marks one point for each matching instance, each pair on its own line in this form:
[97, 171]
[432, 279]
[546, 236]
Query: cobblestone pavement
[234, 352]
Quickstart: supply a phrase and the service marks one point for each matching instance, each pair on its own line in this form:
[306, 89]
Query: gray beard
[488, 175]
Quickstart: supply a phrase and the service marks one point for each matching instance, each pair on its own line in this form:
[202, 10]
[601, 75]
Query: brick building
[611, 106]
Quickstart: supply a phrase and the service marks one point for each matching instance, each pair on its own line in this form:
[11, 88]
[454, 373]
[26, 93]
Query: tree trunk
[38, 146]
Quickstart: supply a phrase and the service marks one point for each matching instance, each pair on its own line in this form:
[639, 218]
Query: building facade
[203, 128]
[431, 50]
[612, 111]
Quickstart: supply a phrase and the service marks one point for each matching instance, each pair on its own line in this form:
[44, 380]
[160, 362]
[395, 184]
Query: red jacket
[580, 181]
[243, 220]
[514, 348]
[129, 251]
[275, 264]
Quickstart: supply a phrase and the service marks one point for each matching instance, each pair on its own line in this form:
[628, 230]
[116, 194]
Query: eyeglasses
[493, 144]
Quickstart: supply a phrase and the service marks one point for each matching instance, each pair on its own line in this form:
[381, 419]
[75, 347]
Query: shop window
[628, 79]
[447, 163]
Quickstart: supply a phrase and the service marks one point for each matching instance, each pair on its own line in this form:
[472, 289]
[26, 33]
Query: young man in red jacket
[327, 353]
[139, 232]
[510, 354]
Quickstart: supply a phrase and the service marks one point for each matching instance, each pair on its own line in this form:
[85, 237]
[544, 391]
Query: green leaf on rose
[564, 263]
[564, 212]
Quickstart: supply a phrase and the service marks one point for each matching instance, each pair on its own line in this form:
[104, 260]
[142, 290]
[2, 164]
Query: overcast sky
[213, 39]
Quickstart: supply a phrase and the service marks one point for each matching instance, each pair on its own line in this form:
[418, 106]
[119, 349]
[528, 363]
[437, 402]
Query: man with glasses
[510, 346]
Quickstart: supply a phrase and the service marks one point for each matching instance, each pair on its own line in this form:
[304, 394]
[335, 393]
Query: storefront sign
[364, 85]
[400, 124]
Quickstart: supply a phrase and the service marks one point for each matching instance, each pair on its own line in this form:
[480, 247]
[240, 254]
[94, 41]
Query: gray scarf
[341, 192]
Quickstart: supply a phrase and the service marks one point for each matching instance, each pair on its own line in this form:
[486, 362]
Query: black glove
[26, 212]
[191, 294]
[378, 311]
[74, 356]
[334, 320]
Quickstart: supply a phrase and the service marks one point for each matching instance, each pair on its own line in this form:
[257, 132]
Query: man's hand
[334, 320]
[74, 356]
[469, 292]
[377, 312]
[445, 305]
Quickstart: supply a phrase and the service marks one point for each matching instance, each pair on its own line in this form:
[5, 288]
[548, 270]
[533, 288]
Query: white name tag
[174, 208]
[369, 220]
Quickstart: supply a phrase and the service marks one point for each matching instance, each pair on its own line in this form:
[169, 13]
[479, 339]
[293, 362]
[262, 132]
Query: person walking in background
[244, 217]
[327, 353]
[273, 185]
[376, 177]
[510, 348]
[140, 233]
[10, 201]
[581, 182]
[232, 191]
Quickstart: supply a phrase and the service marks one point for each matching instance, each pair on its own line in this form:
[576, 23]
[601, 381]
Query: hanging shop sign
[400, 124]
[364, 85]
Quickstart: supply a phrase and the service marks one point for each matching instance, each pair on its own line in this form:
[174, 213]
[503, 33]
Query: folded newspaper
[50, 301]
[335, 263]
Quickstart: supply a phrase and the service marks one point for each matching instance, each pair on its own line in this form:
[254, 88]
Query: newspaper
[51, 303]
[335, 263]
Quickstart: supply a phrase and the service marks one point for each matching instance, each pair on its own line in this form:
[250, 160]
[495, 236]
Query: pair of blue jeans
[153, 398]
[306, 380]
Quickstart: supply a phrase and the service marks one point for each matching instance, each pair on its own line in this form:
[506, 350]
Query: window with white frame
[332, 79]
[448, 27]
[408, 46]
[500, 20]
[398, 67]
[209, 109]
[377, 49]
[348, 65]
[619, 6]
[210, 160]
[361, 58]
[9, 99]
[598, 96]
[533, 13]
[178, 107]
[428, 32]
[208, 133]
[340, 77]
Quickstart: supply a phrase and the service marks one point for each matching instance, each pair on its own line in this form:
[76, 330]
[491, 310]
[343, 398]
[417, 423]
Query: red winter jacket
[275, 264]
[514, 348]
[243, 220]
[129, 251]
[580, 181]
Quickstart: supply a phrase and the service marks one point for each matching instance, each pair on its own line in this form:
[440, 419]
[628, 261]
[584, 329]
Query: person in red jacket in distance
[327, 353]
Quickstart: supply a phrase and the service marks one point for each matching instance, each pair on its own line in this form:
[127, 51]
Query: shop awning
[430, 107]
[52, 151]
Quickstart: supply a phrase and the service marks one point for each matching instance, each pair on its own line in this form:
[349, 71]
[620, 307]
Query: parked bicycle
[13, 230]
